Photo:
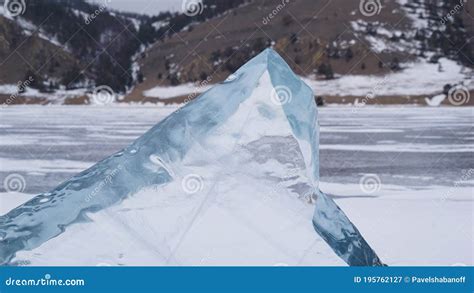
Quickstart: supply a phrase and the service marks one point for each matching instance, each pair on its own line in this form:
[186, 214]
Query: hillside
[323, 39]
[79, 30]
[69, 48]
[346, 51]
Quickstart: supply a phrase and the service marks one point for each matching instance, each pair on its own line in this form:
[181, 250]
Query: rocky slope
[72, 48]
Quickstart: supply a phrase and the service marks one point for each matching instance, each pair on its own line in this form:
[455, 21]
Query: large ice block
[231, 178]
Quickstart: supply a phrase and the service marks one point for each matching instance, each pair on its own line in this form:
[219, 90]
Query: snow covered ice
[229, 179]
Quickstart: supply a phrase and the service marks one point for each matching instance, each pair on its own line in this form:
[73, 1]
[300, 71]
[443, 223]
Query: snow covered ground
[423, 78]
[403, 175]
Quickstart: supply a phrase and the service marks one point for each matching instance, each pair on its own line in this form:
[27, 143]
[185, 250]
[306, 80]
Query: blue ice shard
[230, 178]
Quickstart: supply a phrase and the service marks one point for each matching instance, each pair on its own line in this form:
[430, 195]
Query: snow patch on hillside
[418, 78]
[56, 97]
[31, 29]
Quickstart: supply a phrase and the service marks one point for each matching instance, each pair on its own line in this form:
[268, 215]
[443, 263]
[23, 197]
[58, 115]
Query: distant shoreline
[356, 101]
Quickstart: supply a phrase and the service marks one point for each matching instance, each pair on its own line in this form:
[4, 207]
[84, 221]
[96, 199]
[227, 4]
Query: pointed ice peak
[271, 61]
[267, 57]
[285, 90]
[242, 158]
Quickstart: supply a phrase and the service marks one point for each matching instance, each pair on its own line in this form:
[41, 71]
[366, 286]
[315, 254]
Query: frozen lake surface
[418, 211]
